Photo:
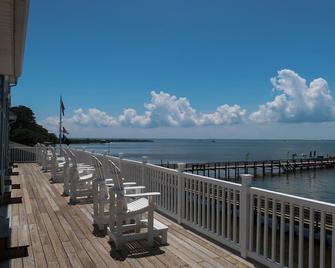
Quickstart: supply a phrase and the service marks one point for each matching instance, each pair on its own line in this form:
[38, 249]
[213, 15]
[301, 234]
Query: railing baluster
[217, 210]
[258, 226]
[291, 237]
[228, 215]
[178, 197]
[168, 178]
[224, 212]
[166, 190]
[311, 239]
[213, 209]
[282, 233]
[274, 230]
[195, 200]
[333, 241]
[234, 217]
[200, 196]
[208, 207]
[251, 231]
[266, 227]
[187, 198]
[322, 239]
[191, 200]
[203, 201]
[301, 237]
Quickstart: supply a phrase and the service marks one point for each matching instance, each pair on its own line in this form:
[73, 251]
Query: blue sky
[115, 55]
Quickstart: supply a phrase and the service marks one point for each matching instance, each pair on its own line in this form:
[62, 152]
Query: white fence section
[22, 153]
[275, 229]
[131, 169]
[290, 230]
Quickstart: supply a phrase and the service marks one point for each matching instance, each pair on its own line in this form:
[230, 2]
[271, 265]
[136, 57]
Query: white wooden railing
[21, 153]
[275, 229]
[290, 230]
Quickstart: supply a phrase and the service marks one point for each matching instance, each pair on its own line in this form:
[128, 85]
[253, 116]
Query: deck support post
[181, 168]
[244, 213]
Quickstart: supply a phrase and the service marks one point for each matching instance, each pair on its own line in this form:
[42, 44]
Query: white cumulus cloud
[297, 101]
[164, 110]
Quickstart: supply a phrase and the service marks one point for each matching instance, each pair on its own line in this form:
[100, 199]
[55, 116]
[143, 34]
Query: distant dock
[231, 170]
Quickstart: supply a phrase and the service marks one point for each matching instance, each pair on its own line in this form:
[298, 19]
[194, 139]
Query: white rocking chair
[71, 167]
[57, 166]
[81, 178]
[101, 194]
[138, 206]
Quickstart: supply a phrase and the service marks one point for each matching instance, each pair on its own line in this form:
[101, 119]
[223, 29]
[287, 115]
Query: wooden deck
[61, 235]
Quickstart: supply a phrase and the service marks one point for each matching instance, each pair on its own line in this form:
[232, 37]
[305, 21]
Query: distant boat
[213, 140]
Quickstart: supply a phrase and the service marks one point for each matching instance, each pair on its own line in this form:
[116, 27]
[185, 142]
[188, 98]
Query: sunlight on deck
[60, 234]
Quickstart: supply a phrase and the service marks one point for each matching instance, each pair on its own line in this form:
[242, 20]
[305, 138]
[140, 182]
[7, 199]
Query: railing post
[144, 162]
[244, 213]
[121, 155]
[181, 168]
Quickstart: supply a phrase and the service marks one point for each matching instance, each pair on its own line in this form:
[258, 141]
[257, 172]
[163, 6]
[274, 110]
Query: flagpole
[60, 125]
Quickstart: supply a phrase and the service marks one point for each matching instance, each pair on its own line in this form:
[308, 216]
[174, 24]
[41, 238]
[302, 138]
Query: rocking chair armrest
[85, 180]
[133, 187]
[143, 194]
[129, 183]
[124, 184]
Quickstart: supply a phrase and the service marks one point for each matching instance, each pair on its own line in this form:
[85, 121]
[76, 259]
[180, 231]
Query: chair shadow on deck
[83, 201]
[135, 249]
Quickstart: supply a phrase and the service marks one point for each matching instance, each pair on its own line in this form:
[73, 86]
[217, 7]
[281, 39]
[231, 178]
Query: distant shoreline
[92, 140]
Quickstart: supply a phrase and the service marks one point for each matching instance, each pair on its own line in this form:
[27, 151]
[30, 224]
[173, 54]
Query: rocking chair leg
[137, 222]
[151, 227]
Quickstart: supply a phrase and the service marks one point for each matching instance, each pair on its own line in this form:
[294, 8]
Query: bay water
[315, 184]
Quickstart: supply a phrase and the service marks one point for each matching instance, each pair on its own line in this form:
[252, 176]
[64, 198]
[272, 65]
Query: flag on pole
[65, 140]
[65, 131]
[62, 107]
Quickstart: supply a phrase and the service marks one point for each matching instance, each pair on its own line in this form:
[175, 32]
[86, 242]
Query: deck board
[61, 235]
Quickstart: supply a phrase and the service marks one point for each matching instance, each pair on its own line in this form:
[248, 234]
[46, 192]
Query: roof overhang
[13, 26]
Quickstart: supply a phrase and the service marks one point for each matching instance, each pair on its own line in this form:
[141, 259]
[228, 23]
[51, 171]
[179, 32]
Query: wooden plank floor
[61, 235]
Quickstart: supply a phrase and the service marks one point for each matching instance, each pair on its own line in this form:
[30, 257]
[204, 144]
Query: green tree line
[26, 131]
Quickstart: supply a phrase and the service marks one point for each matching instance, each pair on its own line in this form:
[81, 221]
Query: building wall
[4, 131]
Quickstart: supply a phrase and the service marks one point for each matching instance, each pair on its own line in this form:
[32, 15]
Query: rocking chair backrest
[66, 157]
[118, 189]
[115, 172]
[73, 158]
[99, 174]
[84, 157]
[105, 164]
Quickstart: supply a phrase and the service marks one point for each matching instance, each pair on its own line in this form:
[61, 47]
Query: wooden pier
[231, 170]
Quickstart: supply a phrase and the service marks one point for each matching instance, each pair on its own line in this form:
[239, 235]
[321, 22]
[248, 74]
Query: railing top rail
[229, 184]
[131, 161]
[169, 170]
[320, 205]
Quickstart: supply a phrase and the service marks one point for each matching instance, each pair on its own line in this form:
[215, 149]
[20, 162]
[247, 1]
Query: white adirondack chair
[57, 166]
[38, 149]
[138, 206]
[46, 159]
[101, 194]
[73, 169]
[81, 178]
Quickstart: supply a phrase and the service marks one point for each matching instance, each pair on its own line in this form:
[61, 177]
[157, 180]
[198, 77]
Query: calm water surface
[318, 185]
